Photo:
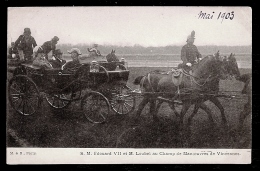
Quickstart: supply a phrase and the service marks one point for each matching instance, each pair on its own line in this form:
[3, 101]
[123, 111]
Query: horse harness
[177, 79]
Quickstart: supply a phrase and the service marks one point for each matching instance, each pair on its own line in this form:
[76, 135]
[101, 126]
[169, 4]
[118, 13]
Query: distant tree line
[137, 49]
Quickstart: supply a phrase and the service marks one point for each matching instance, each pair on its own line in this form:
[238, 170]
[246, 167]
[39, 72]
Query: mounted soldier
[94, 51]
[189, 53]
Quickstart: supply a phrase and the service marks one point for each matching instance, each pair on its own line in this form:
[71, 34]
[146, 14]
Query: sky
[127, 26]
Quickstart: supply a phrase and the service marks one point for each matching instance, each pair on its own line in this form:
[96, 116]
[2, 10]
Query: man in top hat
[75, 52]
[50, 46]
[189, 52]
[57, 62]
[94, 51]
[25, 44]
[13, 52]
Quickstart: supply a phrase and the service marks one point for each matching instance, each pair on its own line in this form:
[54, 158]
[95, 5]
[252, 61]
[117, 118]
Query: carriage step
[169, 100]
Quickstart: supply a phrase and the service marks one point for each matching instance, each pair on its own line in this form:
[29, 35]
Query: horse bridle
[193, 78]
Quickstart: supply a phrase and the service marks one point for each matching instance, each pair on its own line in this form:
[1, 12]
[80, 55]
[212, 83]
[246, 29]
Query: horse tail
[137, 80]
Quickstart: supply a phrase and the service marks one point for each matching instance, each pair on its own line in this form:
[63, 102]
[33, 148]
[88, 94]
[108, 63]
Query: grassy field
[69, 128]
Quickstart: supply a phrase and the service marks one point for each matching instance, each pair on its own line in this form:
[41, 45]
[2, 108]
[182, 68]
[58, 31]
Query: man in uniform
[189, 53]
[25, 44]
[50, 46]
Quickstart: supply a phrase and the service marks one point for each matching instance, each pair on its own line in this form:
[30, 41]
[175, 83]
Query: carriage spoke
[128, 104]
[23, 106]
[27, 106]
[122, 108]
[31, 105]
[20, 104]
[118, 108]
[53, 101]
[126, 108]
[16, 99]
[58, 101]
[129, 100]
[15, 90]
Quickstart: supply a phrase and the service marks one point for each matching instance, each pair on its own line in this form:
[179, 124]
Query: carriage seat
[48, 71]
[31, 66]
[88, 59]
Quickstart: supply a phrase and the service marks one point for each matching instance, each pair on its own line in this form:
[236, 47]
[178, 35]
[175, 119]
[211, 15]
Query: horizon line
[138, 45]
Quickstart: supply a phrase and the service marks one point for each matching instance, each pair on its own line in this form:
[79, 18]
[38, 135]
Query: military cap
[55, 39]
[27, 30]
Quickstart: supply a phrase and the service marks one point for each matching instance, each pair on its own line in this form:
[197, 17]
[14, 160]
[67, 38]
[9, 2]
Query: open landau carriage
[99, 86]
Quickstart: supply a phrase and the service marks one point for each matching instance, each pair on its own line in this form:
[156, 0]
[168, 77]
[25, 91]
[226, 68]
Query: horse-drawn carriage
[99, 86]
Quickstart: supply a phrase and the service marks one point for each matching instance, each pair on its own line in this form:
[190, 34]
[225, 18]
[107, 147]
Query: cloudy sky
[146, 26]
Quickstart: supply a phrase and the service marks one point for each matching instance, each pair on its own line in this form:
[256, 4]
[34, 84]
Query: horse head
[111, 57]
[211, 66]
[232, 66]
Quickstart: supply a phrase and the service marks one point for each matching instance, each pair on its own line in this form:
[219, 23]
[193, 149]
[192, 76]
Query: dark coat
[71, 65]
[47, 47]
[26, 46]
[189, 53]
[57, 63]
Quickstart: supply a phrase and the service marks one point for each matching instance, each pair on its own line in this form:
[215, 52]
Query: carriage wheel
[59, 101]
[24, 95]
[95, 107]
[121, 101]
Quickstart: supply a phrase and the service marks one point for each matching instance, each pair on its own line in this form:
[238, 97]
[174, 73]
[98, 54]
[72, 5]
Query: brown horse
[200, 87]
[247, 89]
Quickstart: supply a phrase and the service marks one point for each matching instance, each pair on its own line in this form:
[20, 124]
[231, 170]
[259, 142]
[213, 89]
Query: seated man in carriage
[57, 62]
[75, 52]
[189, 53]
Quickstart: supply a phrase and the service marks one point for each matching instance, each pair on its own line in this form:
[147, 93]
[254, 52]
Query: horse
[247, 89]
[205, 79]
[112, 59]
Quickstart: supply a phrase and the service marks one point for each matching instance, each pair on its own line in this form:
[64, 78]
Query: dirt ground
[69, 128]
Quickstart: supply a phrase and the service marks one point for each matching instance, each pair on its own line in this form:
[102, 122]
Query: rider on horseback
[189, 53]
[94, 50]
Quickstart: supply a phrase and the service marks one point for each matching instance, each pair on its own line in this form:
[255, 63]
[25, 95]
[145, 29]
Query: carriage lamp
[94, 67]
